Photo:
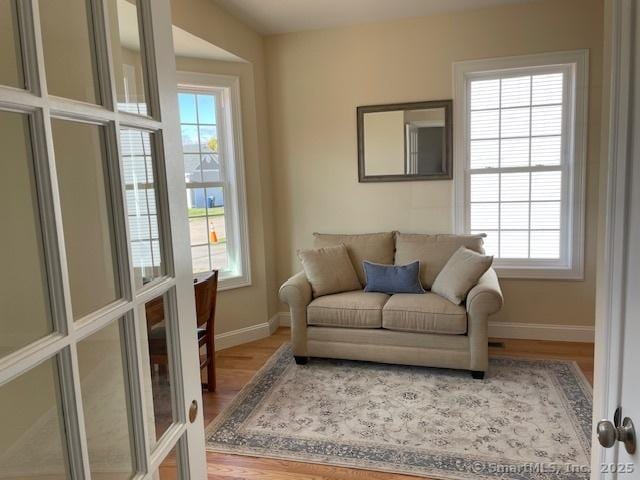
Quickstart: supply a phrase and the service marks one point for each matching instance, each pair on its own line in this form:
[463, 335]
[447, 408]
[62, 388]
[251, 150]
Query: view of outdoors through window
[205, 178]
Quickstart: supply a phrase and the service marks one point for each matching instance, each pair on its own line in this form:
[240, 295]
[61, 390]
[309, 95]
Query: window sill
[539, 273]
[228, 281]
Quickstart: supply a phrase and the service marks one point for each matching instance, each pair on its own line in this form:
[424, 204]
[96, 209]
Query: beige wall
[316, 80]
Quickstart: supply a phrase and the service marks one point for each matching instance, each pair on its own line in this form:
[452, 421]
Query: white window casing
[520, 142]
[232, 175]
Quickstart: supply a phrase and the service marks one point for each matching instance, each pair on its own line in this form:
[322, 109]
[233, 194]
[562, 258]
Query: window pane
[207, 109]
[484, 216]
[485, 187]
[192, 167]
[190, 142]
[546, 151]
[514, 244]
[514, 152]
[24, 302]
[187, 106]
[127, 59]
[157, 365]
[68, 45]
[199, 230]
[516, 92]
[514, 216]
[211, 168]
[142, 209]
[220, 256]
[484, 153]
[485, 94]
[86, 215]
[208, 139]
[546, 185]
[545, 244]
[546, 120]
[514, 187]
[547, 88]
[10, 54]
[545, 215]
[103, 382]
[484, 124]
[200, 259]
[32, 443]
[514, 122]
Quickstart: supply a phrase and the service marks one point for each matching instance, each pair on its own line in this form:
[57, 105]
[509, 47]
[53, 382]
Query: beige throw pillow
[329, 270]
[460, 274]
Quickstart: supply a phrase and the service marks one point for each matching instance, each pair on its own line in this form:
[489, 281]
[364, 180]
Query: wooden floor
[236, 366]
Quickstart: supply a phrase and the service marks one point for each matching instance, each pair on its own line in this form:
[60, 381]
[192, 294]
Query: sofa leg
[301, 360]
[477, 374]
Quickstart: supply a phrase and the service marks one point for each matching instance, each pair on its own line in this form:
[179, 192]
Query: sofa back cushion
[329, 270]
[432, 251]
[373, 247]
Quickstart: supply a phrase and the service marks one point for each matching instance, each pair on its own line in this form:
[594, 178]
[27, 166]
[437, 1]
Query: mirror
[405, 142]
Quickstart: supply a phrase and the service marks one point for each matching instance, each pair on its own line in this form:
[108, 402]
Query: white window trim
[229, 87]
[571, 265]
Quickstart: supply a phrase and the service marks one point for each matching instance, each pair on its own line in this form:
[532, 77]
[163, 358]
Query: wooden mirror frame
[447, 160]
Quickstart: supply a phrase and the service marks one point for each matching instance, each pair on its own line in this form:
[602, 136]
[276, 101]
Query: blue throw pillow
[392, 278]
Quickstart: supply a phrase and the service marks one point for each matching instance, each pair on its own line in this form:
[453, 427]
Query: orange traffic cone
[213, 236]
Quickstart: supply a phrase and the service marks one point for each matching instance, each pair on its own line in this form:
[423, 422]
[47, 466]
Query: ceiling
[282, 16]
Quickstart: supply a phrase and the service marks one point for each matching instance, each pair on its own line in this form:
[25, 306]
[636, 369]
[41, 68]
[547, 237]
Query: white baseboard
[247, 334]
[542, 331]
[524, 331]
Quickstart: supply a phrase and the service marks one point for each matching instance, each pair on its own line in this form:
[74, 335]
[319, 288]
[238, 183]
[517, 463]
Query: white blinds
[516, 164]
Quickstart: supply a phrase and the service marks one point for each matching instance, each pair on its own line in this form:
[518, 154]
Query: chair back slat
[206, 290]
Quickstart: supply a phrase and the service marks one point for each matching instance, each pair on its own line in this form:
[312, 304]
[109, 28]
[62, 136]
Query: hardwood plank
[237, 365]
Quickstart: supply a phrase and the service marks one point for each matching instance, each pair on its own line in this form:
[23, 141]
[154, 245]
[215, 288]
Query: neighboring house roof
[210, 166]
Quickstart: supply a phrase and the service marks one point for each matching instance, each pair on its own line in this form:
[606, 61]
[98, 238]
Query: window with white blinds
[520, 164]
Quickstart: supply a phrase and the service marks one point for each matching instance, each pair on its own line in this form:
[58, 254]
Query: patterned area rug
[528, 419]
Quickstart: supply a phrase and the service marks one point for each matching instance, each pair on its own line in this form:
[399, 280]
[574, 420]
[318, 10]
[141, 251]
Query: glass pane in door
[11, 73]
[89, 236]
[69, 49]
[142, 209]
[169, 469]
[32, 439]
[103, 382]
[157, 365]
[127, 58]
[24, 302]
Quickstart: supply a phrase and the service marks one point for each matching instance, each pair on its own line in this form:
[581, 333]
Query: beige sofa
[411, 329]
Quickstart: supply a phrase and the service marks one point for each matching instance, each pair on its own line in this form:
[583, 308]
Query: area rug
[528, 419]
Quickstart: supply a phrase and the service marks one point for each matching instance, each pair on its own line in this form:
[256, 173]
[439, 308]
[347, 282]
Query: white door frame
[613, 256]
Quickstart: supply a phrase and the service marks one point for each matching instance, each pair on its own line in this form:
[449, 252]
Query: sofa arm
[483, 300]
[296, 292]
[486, 296]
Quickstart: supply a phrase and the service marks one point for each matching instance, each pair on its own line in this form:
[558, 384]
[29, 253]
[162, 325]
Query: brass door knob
[193, 411]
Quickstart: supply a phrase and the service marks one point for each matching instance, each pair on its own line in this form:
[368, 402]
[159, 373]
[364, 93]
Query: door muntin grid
[61, 343]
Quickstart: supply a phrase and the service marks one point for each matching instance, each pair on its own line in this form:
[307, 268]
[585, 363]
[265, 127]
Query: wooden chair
[206, 289]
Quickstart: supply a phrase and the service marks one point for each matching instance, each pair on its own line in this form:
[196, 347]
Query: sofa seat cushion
[426, 313]
[348, 309]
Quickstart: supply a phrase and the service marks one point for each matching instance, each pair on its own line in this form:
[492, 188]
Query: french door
[99, 367]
